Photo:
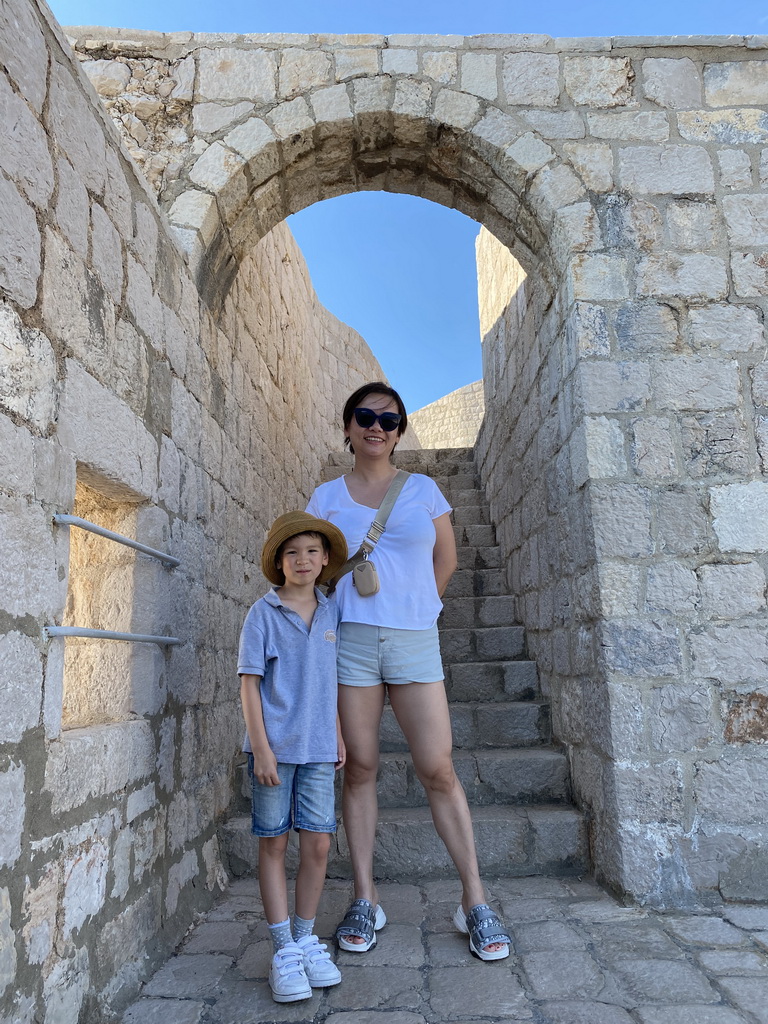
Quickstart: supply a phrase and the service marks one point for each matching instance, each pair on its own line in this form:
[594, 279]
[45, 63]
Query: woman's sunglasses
[367, 417]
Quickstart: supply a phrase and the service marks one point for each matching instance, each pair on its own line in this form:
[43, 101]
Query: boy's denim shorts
[304, 799]
[371, 655]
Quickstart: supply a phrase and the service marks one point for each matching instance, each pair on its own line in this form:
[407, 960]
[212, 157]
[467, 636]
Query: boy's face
[302, 559]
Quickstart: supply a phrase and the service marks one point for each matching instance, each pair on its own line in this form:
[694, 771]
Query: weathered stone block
[693, 224]
[530, 152]
[478, 74]
[458, 109]
[727, 327]
[28, 579]
[531, 79]
[13, 808]
[648, 792]
[23, 51]
[21, 681]
[209, 118]
[356, 62]
[747, 219]
[108, 77]
[441, 66]
[750, 273]
[588, 330]
[715, 444]
[622, 520]
[743, 126]
[731, 591]
[681, 717]
[98, 760]
[28, 364]
[228, 73]
[730, 654]
[302, 70]
[593, 162]
[682, 523]
[619, 589]
[671, 590]
[646, 327]
[674, 83]
[397, 61]
[641, 650]
[735, 168]
[7, 943]
[20, 252]
[552, 124]
[607, 386]
[24, 155]
[630, 126]
[732, 83]
[77, 129]
[653, 448]
[599, 81]
[666, 170]
[740, 516]
[692, 382]
[604, 440]
[731, 790]
[106, 252]
[599, 277]
[72, 207]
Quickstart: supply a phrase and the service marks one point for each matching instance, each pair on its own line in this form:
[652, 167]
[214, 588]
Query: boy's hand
[265, 768]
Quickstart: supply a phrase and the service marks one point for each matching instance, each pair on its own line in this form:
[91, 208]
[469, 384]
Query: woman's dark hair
[376, 387]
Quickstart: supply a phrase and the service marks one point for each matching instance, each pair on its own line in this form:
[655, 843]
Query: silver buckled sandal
[484, 928]
[362, 920]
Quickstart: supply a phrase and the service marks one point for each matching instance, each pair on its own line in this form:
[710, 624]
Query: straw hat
[288, 525]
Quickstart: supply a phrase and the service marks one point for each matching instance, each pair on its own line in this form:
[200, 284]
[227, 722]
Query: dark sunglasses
[367, 417]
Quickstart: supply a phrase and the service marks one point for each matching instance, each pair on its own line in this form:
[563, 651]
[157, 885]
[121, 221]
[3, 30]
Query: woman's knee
[361, 769]
[439, 777]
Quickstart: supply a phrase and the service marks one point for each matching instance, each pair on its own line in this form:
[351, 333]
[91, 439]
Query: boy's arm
[264, 761]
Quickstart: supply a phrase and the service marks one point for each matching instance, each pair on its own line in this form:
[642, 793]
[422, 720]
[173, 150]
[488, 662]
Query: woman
[390, 639]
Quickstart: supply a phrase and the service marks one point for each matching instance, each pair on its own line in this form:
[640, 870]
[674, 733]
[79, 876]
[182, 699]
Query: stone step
[471, 515]
[512, 841]
[477, 583]
[472, 557]
[477, 725]
[492, 681]
[537, 776]
[497, 610]
[495, 643]
[477, 535]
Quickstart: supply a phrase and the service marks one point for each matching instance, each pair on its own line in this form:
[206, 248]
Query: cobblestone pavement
[579, 958]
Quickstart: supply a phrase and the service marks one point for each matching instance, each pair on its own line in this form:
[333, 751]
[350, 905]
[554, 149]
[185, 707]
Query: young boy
[287, 668]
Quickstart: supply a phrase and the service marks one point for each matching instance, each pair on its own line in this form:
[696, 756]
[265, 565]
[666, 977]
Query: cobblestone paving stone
[579, 957]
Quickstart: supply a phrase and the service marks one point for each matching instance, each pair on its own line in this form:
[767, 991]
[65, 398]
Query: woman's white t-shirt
[407, 598]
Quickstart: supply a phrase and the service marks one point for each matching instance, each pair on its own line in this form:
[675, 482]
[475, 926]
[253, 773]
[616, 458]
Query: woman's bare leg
[360, 709]
[421, 710]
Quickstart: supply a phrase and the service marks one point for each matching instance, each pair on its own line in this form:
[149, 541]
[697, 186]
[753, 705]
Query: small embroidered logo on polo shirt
[330, 636]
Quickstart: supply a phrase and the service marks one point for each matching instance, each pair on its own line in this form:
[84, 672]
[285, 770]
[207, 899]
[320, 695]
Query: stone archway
[627, 177]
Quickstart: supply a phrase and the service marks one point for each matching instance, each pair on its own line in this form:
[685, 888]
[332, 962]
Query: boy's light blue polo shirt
[297, 666]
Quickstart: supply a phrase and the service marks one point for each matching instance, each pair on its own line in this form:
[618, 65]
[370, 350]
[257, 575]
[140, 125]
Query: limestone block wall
[624, 450]
[452, 421]
[123, 399]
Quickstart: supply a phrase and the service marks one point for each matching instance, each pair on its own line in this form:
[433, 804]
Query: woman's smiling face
[373, 442]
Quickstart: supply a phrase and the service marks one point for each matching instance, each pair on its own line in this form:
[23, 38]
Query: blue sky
[398, 269]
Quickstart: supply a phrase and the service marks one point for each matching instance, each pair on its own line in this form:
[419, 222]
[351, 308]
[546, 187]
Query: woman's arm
[444, 553]
[264, 761]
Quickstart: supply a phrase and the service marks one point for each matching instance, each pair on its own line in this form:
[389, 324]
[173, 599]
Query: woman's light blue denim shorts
[371, 655]
[304, 799]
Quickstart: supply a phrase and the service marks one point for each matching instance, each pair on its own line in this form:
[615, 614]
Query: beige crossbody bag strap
[375, 530]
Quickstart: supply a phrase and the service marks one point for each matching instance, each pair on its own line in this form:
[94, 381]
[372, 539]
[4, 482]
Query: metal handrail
[66, 520]
[108, 634]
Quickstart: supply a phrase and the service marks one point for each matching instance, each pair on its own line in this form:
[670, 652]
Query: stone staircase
[516, 781]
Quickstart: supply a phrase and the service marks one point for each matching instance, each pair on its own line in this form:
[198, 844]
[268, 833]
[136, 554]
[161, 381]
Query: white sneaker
[320, 970]
[286, 975]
